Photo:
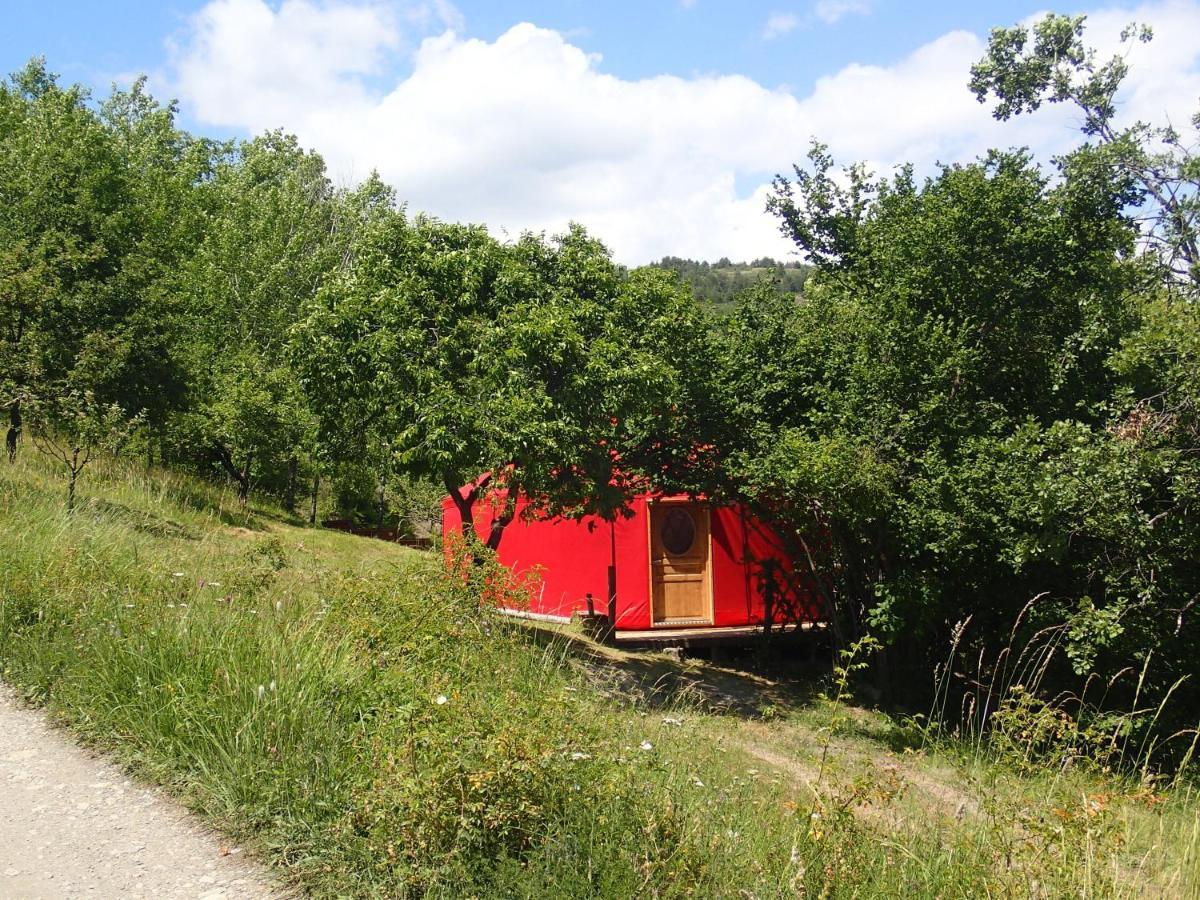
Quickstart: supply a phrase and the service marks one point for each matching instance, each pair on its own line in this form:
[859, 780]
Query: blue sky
[95, 42]
[658, 124]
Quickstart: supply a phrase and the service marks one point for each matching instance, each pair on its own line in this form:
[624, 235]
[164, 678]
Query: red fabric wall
[571, 558]
[741, 544]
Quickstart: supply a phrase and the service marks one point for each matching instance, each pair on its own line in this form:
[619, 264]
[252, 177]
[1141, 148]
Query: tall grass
[371, 730]
[1120, 811]
[1006, 710]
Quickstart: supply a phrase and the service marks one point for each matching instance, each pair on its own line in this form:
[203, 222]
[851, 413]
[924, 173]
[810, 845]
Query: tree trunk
[244, 481]
[74, 467]
[497, 531]
[464, 501]
[241, 477]
[312, 507]
[289, 494]
[14, 429]
[503, 520]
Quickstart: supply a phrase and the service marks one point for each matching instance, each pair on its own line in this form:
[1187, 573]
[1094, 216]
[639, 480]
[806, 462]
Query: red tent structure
[678, 569]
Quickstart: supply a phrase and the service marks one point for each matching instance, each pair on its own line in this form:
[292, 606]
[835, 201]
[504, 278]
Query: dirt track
[73, 825]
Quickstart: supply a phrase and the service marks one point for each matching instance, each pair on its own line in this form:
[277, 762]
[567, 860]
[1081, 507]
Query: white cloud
[529, 131]
[779, 24]
[251, 66]
[830, 11]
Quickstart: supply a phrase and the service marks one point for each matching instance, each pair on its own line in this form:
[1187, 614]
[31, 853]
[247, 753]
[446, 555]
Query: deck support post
[612, 602]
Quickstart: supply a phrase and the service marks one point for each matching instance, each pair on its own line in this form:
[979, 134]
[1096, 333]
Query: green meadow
[366, 727]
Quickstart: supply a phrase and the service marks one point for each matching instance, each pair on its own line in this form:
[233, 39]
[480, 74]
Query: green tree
[97, 214]
[145, 362]
[266, 249]
[534, 368]
[986, 395]
[1048, 61]
[942, 318]
[73, 426]
[64, 230]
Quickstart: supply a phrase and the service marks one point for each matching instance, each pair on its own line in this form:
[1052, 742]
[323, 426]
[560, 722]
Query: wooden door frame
[708, 566]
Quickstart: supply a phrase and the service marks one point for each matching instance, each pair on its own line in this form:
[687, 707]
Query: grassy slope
[285, 682]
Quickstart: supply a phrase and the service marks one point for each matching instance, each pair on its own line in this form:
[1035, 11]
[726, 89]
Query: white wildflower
[670, 720]
[697, 782]
[646, 745]
[272, 685]
[261, 690]
[176, 574]
[442, 700]
[578, 755]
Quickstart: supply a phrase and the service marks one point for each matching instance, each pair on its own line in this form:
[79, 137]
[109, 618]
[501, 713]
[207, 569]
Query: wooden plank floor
[702, 633]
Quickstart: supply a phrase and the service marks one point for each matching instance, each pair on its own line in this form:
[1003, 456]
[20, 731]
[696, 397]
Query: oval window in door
[678, 531]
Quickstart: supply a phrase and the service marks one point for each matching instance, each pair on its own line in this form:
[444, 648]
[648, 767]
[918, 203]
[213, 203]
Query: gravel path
[73, 825]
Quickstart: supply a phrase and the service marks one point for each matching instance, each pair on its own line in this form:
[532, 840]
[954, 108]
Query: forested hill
[718, 283]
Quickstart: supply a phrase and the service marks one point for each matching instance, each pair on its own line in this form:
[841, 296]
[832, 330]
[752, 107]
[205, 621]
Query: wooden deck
[696, 636]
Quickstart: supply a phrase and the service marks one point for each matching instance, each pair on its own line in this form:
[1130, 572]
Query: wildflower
[261, 690]
[176, 574]
[272, 685]
[578, 755]
[442, 700]
[646, 745]
[670, 720]
[214, 584]
[697, 782]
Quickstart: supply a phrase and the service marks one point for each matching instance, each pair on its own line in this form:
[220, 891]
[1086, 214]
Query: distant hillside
[717, 283]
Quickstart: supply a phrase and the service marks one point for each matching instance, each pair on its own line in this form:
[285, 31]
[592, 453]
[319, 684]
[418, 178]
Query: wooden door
[680, 581]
